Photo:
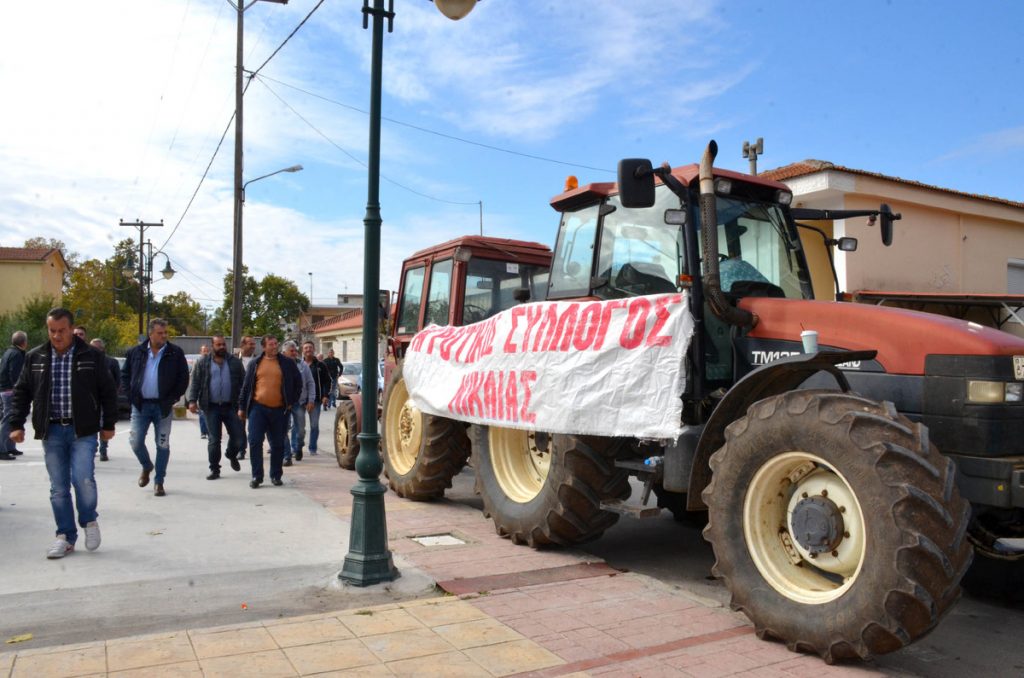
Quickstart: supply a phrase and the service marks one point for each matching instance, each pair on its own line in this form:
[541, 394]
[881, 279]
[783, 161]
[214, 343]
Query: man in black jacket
[216, 383]
[272, 385]
[115, 374]
[67, 386]
[10, 370]
[155, 375]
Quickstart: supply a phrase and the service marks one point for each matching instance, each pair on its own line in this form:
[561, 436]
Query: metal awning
[958, 304]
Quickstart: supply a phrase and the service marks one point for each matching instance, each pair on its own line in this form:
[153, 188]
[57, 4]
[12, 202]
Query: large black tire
[346, 428]
[422, 453]
[882, 543]
[541, 490]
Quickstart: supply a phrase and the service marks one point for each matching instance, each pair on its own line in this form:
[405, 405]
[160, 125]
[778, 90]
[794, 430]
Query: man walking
[334, 369]
[10, 370]
[247, 352]
[155, 375]
[297, 415]
[68, 387]
[216, 383]
[322, 384]
[272, 385]
[115, 374]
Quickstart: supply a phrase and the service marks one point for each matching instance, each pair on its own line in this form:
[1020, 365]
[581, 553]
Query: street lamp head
[168, 271]
[455, 9]
[293, 168]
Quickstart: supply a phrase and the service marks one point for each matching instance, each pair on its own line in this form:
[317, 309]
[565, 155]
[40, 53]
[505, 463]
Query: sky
[113, 110]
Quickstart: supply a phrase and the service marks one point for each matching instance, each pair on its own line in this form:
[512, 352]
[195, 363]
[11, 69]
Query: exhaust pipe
[720, 306]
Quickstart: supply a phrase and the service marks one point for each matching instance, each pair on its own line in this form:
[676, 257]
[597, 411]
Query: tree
[183, 313]
[266, 305]
[29, 318]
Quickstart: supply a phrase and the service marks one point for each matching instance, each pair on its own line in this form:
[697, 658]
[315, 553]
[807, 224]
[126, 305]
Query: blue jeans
[227, 415]
[297, 419]
[203, 428]
[272, 423]
[6, 444]
[314, 427]
[69, 461]
[332, 399]
[141, 419]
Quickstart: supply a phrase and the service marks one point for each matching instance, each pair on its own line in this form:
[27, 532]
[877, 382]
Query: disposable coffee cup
[810, 340]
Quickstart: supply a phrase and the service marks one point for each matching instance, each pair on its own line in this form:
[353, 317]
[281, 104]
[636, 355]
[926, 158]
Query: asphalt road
[978, 637]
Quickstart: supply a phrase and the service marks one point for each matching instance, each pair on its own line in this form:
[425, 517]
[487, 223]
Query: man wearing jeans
[216, 383]
[67, 385]
[322, 385]
[297, 415]
[155, 375]
[272, 385]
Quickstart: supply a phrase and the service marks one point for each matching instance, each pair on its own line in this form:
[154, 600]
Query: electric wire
[426, 130]
[294, 31]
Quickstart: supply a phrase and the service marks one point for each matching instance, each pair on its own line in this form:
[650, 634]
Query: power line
[436, 133]
[294, 31]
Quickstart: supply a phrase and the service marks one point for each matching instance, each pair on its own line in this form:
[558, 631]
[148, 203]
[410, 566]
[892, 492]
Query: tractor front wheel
[837, 527]
[346, 428]
[422, 453]
[542, 489]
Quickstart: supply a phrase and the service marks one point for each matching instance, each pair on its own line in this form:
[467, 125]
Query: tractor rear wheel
[542, 489]
[836, 525]
[346, 428]
[422, 453]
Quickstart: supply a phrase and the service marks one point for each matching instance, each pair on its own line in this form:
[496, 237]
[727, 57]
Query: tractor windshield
[756, 251]
[491, 285]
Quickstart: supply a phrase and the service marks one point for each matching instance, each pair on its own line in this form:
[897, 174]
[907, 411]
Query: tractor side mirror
[888, 216]
[636, 182]
[847, 244]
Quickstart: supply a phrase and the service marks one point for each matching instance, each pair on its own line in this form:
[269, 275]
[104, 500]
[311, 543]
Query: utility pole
[142, 226]
[751, 151]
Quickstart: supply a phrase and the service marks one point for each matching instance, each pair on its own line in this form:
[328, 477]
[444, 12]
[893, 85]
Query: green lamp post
[369, 559]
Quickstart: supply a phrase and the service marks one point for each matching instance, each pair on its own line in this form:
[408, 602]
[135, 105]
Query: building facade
[30, 272]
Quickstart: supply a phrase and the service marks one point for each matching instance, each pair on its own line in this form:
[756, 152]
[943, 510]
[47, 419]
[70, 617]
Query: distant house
[954, 253]
[29, 272]
[343, 333]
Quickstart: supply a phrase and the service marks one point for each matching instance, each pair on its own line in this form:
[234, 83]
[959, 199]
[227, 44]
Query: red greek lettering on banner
[526, 377]
[661, 316]
[606, 320]
[514, 316]
[637, 320]
[587, 326]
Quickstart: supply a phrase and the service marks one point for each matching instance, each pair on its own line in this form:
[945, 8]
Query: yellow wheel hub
[404, 429]
[804, 528]
[521, 461]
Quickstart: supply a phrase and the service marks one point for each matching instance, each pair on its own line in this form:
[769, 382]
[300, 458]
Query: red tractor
[845, 489]
[458, 282]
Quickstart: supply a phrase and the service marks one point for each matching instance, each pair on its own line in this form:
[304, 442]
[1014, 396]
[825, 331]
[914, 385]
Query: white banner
[609, 368]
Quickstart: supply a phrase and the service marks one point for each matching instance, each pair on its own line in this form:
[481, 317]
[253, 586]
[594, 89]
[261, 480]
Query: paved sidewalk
[508, 611]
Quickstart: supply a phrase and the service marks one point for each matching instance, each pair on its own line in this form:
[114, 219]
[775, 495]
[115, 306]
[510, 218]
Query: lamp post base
[368, 561]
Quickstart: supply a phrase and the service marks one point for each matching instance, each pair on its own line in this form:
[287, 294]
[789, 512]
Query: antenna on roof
[751, 151]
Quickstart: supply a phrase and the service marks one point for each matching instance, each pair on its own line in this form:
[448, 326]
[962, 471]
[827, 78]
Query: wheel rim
[340, 431]
[804, 528]
[404, 429]
[521, 461]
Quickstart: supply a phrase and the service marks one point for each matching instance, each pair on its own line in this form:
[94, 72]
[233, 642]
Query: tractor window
[439, 293]
[640, 253]
[755, 250]
[491, 284]
[574, 254]
[412, 294]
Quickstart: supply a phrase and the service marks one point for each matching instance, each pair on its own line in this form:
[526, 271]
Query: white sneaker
[92, 536]
[60, 548]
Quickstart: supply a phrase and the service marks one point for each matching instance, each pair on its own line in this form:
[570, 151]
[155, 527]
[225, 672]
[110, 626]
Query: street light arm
[293, 168]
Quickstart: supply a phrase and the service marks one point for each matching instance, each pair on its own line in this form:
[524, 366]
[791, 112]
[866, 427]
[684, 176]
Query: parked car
[124, 405]
[351, 378]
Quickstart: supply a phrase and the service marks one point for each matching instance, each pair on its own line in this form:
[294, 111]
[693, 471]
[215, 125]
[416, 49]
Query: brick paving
[517, 612]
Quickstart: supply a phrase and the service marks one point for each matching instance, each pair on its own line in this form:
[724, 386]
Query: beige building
[953, 253]
[30, 272]
[343, 333]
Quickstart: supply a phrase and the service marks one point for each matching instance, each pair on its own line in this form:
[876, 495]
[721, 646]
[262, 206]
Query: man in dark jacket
[216, 383]
[155, 375]
[115, 374]
[67, 386]
[272, 385]
[334, 369]
[10, 370]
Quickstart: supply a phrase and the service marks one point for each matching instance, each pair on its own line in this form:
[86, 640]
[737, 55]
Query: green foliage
[266, 305]
[30, 318]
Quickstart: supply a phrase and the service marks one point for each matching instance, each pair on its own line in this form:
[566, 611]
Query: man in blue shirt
[155, 375]
[216, 383]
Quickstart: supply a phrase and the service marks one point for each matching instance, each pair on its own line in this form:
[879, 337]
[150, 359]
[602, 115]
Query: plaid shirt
[60, 384]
